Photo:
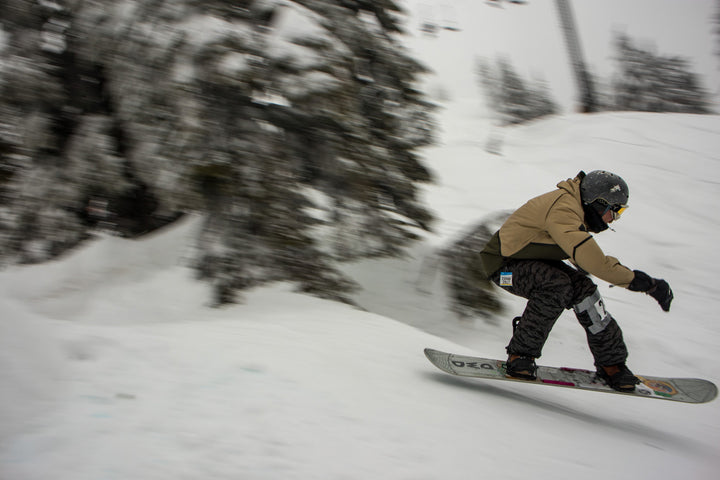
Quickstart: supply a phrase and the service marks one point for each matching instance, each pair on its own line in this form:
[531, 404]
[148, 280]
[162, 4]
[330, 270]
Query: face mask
[594, 220]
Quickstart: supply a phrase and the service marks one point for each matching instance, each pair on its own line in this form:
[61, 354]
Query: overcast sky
[530, 35]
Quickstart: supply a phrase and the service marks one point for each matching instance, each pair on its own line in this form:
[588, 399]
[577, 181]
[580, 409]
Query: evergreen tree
[470, 294]
[291, 125]
[514, 95]
[514, 99]
[655, 83]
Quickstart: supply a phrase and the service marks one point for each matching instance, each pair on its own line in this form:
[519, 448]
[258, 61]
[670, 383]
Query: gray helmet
[601, 187]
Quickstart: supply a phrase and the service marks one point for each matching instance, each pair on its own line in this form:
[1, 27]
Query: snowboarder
[526, 258]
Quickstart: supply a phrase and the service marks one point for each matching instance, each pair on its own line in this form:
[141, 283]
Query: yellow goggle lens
[619, 211]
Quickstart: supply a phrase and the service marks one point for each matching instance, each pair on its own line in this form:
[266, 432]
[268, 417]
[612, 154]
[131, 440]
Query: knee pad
[594, 307]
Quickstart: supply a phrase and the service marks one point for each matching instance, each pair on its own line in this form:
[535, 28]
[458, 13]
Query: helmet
[604, 188]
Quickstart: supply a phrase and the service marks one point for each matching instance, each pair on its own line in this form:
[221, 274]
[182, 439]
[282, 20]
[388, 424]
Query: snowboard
[687, 390]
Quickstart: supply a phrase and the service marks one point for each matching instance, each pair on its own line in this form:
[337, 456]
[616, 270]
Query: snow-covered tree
[470, 294]
[513, 98]
[655, 83]
[291, 124]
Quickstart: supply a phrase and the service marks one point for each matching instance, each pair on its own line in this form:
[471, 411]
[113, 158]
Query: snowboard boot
[618, 377]
[521, 367]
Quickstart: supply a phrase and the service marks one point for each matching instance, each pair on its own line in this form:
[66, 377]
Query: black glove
[655, 287]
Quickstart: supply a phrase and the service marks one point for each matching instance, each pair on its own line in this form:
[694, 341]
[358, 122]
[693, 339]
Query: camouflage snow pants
[551, 287]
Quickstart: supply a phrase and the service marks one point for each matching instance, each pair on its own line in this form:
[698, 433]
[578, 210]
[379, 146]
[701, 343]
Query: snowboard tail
[687, 390]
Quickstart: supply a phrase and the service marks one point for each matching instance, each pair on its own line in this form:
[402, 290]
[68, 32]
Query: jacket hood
[572, 186]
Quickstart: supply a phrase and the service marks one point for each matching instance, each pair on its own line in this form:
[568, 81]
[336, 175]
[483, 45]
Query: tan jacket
[552, 227]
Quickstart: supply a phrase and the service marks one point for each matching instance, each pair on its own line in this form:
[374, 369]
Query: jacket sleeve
[591, 258]
[564, 226]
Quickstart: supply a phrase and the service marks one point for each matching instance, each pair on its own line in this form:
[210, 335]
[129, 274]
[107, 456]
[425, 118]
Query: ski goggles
[616, 210]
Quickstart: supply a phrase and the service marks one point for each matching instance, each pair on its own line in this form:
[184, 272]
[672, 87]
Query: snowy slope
[113, 367]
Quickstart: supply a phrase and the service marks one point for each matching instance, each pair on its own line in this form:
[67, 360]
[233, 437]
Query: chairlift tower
[572, 39]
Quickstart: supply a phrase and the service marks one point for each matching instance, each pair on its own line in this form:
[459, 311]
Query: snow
[53, 36]
[292, 27]
[308, 83]
[235, 63]
[202, 29]
[113, 366]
